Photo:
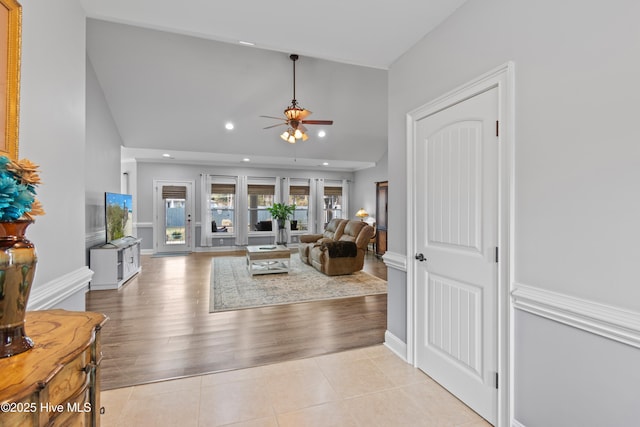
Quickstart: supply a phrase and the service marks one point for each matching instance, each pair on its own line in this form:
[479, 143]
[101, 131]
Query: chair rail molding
[395, 260]
[48, 295]
[612, 322]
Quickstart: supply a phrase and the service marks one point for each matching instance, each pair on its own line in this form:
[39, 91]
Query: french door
[173, 216]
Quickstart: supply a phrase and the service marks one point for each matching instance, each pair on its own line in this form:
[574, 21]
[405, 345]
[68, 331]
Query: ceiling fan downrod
[294, 58]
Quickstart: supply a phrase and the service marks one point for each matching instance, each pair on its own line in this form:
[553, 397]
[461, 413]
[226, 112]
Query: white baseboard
[54, 292]
[612, 322]
[396, 345]
[516, 423]
[395, 260]
[212, 249]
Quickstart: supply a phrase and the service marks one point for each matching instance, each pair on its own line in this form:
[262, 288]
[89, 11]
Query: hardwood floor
[160, 327]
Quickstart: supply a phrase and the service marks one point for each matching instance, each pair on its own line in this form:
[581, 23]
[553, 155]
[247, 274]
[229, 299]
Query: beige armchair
[339, 250]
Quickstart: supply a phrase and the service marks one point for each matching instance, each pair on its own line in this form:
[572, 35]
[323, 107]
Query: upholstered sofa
[339, 249]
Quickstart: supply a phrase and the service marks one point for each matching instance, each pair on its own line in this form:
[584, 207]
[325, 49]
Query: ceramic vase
[17, 268]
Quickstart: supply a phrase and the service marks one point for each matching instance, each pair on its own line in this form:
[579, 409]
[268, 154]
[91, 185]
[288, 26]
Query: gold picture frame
[10, 44]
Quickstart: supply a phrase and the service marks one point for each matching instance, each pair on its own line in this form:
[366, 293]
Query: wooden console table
[57, 382]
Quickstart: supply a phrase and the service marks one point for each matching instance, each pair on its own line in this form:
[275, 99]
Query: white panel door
[456, 236]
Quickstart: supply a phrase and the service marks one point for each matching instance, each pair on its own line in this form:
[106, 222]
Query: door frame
[501, 78]
[190, 208]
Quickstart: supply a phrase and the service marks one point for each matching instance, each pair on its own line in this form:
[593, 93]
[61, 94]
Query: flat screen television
[118, 215]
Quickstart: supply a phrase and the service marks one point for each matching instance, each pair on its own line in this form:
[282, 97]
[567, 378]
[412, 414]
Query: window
[299, 196]
[332, 203]
[222, 205]
[261, 196]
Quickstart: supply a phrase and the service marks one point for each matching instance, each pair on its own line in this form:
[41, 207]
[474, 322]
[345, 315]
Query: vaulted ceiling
[173, 74]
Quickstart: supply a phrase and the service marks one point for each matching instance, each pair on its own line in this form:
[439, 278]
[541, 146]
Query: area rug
[233, 288]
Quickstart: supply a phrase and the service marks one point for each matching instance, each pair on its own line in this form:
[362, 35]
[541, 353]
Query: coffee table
[268, 259]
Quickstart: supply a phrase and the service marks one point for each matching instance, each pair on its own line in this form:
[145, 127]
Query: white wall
[52, 134]
[576, 172]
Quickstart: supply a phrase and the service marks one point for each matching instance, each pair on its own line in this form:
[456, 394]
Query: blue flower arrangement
[18, 182]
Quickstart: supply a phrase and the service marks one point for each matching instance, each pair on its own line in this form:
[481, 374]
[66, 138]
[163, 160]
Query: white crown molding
[395, 260]
[612, 322]
[49, 294]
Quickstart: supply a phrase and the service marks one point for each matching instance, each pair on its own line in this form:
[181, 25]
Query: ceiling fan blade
[317, 122]
[271, 117]
[273, 126]
[302, 128]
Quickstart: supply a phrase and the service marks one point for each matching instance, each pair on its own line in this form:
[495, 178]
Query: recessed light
[244, 43]
[322, 134]
[325, 164]
[229, 126]
[166, 155]
[246, 159]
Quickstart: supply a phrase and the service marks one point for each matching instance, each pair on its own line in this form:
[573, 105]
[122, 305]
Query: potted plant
[281, 212]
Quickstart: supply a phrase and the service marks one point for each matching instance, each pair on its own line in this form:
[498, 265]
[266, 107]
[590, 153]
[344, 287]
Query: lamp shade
[362, 213]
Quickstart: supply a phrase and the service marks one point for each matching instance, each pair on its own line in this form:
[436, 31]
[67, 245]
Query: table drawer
[73, 377]
[76, 411]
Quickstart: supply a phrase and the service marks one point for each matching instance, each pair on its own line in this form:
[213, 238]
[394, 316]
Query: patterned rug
[233, 288]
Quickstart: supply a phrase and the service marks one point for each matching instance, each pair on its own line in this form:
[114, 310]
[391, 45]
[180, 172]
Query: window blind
[223, 188]
[333, 191]
[255, 190]
[174, 192]
[299, 190]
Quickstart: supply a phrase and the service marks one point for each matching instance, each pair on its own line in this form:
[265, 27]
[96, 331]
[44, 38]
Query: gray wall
[52, 133]
[363, 191]
[603, 384]
[576, 174]
[102, 159]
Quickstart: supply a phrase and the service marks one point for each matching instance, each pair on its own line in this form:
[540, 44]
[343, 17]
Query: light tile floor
[364, 387]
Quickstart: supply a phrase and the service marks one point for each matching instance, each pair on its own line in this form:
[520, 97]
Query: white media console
[114, 263]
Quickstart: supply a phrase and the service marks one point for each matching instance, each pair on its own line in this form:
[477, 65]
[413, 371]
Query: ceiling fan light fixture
[294, 113]
[296, 116]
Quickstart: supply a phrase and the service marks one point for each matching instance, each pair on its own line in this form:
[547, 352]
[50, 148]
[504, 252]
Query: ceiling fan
[296, 116]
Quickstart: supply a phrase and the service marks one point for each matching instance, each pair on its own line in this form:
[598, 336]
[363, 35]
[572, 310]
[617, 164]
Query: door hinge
[497, 257]
[497, 380]
[497, 128]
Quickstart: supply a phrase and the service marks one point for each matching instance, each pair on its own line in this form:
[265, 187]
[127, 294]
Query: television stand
[114, 263]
